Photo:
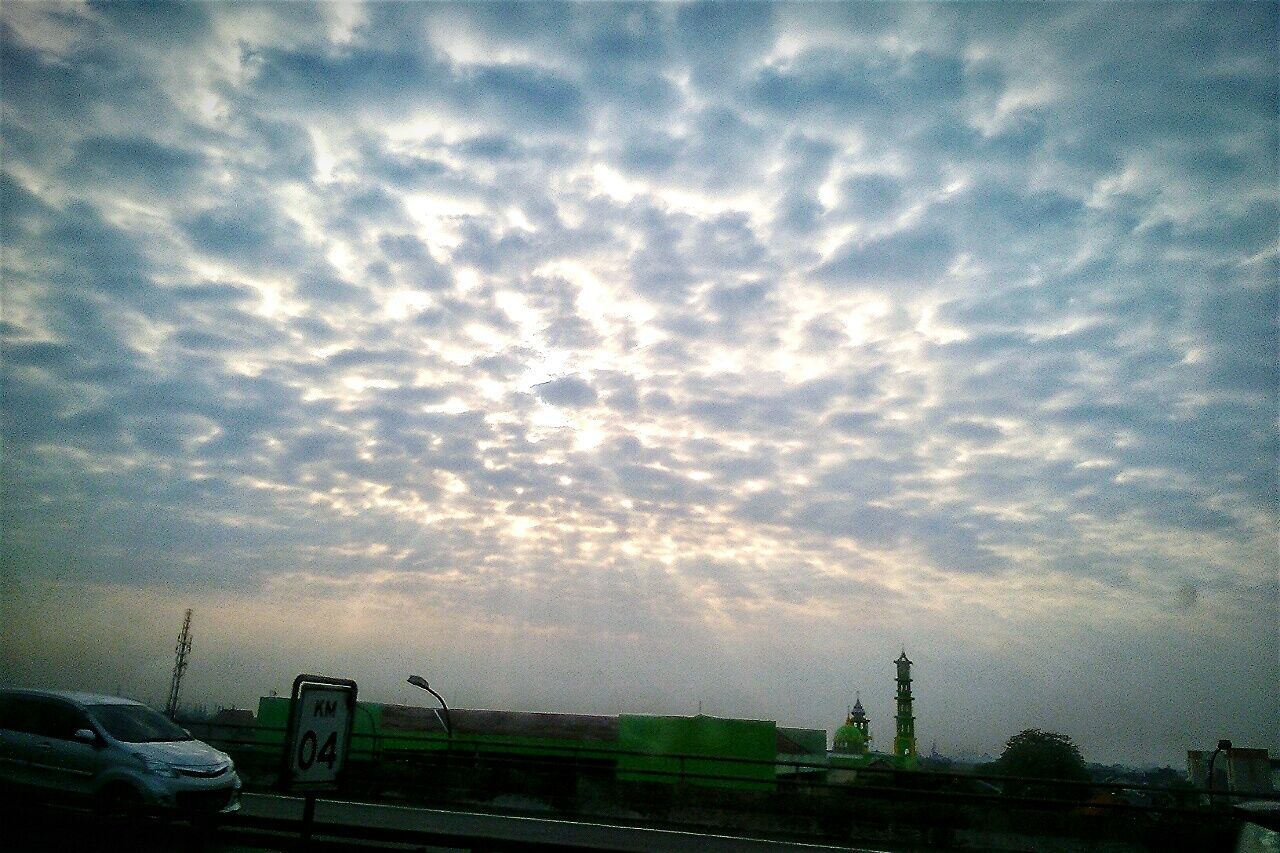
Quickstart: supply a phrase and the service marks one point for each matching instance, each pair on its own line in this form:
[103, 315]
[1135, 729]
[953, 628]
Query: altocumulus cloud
[583, 348]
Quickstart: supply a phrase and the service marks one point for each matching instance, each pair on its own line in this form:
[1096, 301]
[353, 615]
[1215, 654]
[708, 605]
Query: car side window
[22, 714]
[64, 720]
[43, 717]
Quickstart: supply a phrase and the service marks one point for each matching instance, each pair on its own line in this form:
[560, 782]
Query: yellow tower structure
[905, 750]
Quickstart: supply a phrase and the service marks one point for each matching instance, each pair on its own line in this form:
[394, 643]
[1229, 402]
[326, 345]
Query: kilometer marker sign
[321, 715]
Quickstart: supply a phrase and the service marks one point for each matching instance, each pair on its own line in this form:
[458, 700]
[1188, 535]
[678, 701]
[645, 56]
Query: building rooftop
[531, 724]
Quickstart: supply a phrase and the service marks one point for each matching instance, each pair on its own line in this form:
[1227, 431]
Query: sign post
[322, 711]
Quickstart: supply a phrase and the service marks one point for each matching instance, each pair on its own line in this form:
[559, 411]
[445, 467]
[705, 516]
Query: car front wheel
[119, 800]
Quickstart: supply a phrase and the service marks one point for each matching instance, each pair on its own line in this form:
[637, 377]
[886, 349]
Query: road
[511, 832]
[30, 827]
[268, 822]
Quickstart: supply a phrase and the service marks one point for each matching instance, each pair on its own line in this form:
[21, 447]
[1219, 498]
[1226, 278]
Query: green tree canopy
[1043, 755]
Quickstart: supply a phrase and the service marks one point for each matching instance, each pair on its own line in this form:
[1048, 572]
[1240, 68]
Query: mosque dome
[850, 738]
[854, 737]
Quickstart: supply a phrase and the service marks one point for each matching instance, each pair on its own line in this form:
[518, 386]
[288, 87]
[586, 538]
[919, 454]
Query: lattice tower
[179, 666]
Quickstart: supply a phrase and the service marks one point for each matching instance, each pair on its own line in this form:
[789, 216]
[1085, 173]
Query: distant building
[1236, 769]
[851, 746]
[699, 750]
[854, 737]
[230, 727]
[807, 748]
[232, 724]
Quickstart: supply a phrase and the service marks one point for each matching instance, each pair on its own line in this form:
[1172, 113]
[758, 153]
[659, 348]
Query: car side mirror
[86, 736]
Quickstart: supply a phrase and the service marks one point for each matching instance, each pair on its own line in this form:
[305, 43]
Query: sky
[640, 358]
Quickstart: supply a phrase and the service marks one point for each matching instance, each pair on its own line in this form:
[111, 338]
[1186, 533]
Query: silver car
[116, 752]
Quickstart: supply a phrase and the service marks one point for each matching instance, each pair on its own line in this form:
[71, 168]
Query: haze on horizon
[621, 357]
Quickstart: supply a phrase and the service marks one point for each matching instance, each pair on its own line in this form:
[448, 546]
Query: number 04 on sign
[321, 718]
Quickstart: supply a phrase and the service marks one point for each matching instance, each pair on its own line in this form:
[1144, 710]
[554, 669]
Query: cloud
[667, 332]
[134, 163]
[918, 257]
[567, 391]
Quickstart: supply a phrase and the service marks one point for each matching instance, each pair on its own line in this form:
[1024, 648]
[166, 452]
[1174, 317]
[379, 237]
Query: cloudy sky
[621, 357]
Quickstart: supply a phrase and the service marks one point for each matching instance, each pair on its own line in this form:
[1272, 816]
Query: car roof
[79, 697]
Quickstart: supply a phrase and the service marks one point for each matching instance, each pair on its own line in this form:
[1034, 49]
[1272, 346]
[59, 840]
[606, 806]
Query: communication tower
[179, 666]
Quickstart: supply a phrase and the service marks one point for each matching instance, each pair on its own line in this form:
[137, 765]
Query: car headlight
[156, 766]
[225, 763]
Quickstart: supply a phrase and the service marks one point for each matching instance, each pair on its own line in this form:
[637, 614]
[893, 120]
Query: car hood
[181, 753]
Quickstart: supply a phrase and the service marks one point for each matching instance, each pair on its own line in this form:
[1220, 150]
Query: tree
[1042, 755]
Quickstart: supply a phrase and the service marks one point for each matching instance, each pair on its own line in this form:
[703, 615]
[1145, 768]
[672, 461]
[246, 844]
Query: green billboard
[698, 750]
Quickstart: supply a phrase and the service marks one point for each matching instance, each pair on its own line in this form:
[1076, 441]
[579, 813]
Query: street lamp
[1222, 745]
[447, 722]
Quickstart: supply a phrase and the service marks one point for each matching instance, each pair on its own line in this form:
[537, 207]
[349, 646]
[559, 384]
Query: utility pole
[179, 666]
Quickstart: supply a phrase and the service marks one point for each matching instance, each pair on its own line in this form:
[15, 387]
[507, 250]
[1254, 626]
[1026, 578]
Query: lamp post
[419, 681]
[1222, 744]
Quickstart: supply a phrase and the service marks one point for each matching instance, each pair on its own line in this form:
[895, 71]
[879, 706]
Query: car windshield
[136, 724]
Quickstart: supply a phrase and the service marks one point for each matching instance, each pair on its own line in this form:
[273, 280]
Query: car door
[61, 762]
[19, 737]
[10, 769]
